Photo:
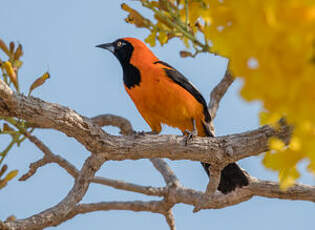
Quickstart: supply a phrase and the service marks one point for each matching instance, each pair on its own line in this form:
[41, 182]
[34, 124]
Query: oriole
[163, 95]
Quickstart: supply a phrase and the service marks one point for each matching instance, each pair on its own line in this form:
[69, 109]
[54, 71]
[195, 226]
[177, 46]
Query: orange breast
[160, 100]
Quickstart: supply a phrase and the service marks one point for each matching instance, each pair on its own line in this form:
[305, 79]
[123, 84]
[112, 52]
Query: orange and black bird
[163, 95]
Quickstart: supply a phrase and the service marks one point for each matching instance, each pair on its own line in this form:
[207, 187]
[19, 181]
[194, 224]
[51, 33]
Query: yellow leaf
[134, 17]
[4, 47]
[11, 73]
[162, 38]
[287, 177]
[295, 144]
[38, 82]
[18, 53]
[11, 175]
[151, 38]
[276, 144]
[267, 118]
[273, 161]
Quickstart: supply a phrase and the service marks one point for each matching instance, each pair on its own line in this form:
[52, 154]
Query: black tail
[231, 176]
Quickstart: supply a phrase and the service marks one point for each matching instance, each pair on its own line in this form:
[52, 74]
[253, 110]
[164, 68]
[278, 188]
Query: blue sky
[60, 36]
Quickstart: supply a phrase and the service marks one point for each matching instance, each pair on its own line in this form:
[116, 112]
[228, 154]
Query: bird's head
[125, 48]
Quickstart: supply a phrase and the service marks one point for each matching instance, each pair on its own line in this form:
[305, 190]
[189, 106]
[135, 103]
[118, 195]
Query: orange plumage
[159, 99]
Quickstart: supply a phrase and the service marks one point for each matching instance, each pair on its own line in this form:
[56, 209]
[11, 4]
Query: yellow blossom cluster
[270, 45]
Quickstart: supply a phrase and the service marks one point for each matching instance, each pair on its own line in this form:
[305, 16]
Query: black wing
[181, 80]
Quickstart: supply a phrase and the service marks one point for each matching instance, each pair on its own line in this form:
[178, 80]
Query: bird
[163, 95]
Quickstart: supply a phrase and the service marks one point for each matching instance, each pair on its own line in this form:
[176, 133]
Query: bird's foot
[189, 135]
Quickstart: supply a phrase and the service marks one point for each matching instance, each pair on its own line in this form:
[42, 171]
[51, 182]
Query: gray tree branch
[217, 151]
[221, 150]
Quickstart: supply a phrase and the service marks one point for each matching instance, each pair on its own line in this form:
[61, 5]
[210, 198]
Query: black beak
[108, 46]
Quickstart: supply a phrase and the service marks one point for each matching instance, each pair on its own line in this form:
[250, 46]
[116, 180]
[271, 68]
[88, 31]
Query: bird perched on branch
[163, 95]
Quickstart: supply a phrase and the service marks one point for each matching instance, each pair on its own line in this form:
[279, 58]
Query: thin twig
[33, 168]
[147, 190]
[49, 157]
[218, 92]
[165, 170]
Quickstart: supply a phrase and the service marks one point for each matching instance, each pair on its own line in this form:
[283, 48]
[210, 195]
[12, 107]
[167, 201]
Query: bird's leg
[191, 134]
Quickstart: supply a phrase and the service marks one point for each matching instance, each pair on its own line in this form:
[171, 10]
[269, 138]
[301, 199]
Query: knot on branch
[229, 150]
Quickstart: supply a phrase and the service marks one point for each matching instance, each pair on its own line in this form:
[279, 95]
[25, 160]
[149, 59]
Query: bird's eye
[119, 44]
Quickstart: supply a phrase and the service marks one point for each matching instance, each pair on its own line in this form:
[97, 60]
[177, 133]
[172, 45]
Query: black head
[121, 48]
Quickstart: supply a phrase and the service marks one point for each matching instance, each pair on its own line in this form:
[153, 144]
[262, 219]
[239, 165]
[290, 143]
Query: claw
[190, 134]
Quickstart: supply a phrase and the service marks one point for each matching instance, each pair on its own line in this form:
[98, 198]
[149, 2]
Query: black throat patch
[131, 75]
